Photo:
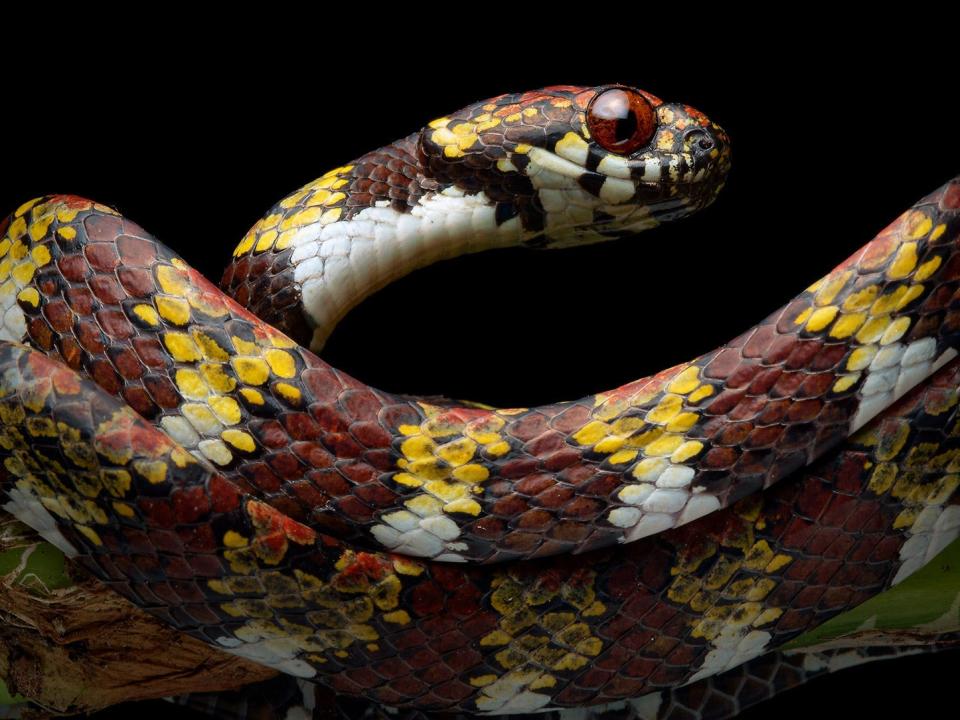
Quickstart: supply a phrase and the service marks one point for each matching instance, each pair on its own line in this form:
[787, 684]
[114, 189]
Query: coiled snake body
[229, 481]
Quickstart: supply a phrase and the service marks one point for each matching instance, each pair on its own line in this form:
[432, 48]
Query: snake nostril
[699, 139]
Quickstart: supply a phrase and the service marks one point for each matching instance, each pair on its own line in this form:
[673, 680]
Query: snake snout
[709, 147]
[700, 140]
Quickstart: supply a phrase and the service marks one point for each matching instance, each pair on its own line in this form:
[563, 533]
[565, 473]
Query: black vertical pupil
[626, 126]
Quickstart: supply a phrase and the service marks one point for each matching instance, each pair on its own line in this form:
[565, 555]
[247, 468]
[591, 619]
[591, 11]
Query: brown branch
[83, 647]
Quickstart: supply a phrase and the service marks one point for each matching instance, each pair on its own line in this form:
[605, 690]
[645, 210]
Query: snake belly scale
[225, 478]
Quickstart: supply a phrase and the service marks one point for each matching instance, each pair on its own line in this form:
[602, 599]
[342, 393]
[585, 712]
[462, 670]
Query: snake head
[578, 165]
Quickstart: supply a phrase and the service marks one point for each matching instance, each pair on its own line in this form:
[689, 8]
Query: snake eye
[621, 120]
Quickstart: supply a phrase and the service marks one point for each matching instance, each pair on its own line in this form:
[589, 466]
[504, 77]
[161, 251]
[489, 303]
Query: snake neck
[323, 249]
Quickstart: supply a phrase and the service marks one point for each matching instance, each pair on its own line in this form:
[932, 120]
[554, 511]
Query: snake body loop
[231, 482]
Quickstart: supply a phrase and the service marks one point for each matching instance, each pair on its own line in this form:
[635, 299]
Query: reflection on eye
[621, 120]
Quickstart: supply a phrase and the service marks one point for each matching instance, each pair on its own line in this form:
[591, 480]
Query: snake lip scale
[188, 451]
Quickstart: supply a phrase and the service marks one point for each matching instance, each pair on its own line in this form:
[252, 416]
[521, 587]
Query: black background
[830, 143]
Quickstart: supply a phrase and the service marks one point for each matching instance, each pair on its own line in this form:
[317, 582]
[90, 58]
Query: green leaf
[6, 698]
[927, 600]
[39, 567]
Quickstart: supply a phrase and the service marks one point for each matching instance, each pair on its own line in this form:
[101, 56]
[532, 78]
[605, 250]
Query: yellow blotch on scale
[895, 331]
[685, 451]
[623, 456]
[65, 214]
[281, 341]
[498, 448]
[571, 145]
[861, 357]
[147, 314]
[239, 439]
[483, 680]
[26, 206]
[666, 409]
[270, 221]
[251, 370]
[123, 509]
[457, 452]
[40, 255]
[397, 617]
[418, 447]
[916, 225]
[39, 227]
[153, 471]
[233, 539]
[704, 391]
[665, 445]
[928, 268]
[171, 280]
[90, 534]
[285, 239]
[288, 392]
[904, 262]
[23, 273]
[861, 300]
[245, 244]
[226, 408]
[181, 458]
[873, 330]
[181, 347]
[191, 385]
[252, 396]
[217, 378]
[173, 309]
[17, 229]
[831, 287]
[821, 318]
[888, 303]
[408, 480]
[591, 433]
[685, 381]
[265, 241]
[304, 217]
[912, 293]
[467, 506]
[290, 200]
[446, 491]
[245, 347]
[472, 473]
[281, 362]
[846, 382]
[30, 296]
[847, 325]
[609, 444]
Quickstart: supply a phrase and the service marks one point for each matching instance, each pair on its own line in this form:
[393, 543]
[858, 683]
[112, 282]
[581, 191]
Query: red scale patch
[101, 227]
[136, 252]
[102, 256]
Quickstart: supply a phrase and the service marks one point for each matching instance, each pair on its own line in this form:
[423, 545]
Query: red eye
[621, 120]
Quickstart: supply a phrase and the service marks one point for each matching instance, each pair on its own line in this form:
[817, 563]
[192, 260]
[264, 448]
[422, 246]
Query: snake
[182, 442]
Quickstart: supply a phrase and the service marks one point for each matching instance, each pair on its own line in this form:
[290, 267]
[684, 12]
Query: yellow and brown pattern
[465, 483]
[181, 540]
[248, 521]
